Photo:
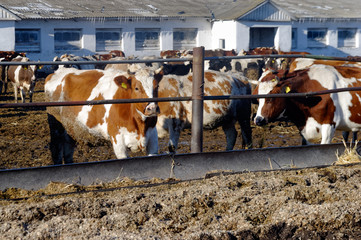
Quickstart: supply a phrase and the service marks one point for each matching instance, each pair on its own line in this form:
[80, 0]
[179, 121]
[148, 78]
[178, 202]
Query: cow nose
[152, 109]
[259, 121]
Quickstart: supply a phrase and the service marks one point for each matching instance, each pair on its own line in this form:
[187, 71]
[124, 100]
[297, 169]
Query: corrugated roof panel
[212, 9]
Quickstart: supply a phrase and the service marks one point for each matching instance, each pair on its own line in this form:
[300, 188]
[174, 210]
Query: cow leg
[246, 133]
[22, 94]
[61, 144]
[175, 127]
[31, 91]
[16, 93]
[56, 139]
[327, 132]
[119, 147]
[151, 141]
[345, 135]
[231, 135]
[354, 137]
[68, 149]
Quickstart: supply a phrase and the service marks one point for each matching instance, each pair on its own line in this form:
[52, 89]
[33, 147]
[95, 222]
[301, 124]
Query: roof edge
[292, 17]
[9, 15]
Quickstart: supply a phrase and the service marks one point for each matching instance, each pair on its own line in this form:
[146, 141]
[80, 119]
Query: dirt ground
[312, 203]
[25, 137]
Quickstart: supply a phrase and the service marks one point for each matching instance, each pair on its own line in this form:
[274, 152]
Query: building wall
[236, 35]
[226, 30]
[128, 33]
[332, 38]
[282, 39]
[7, 33]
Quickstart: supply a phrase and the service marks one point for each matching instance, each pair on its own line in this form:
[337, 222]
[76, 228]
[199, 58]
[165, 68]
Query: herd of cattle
[137, 126]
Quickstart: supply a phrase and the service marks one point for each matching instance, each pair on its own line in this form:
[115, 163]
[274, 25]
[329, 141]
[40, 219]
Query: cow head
[144, 84]
[270, 109]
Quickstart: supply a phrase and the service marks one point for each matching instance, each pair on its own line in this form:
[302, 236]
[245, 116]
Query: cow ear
[123, 82]
[158, 74]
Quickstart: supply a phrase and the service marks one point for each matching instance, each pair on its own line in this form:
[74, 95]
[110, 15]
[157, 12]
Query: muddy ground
[313, 203]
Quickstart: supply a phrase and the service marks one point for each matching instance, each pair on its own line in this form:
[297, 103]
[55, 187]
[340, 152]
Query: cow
[6, 56]
[74, 58]
[177, 68]
[107, 57]
[316, 117]
[175, 116]
[303, 63]
[180, 68]
[285, 63]
[23, 77]
[126, 126]
[91, 58]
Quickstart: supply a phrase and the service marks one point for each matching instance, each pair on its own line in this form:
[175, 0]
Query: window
[316, 37]
[108, 39]
[347, 37]
[184, 38]
[27, 40]
[294, 38]
[67, 39]
[147, 39]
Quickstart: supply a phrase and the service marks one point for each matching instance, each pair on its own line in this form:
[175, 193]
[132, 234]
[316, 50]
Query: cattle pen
[179, 166]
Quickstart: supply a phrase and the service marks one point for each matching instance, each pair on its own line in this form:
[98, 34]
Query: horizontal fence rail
[320, 57]
[141, 100]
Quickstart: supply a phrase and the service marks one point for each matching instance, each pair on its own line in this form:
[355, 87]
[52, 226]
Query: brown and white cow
[126, 126]
[317, 117]
[175, 116]
[6, 56]
[304, 63]
[23, 78]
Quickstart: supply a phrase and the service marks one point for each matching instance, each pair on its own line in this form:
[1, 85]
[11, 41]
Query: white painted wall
[332, 49]
[226, 30]
[89, 28]
[236, 35]
[7, 33]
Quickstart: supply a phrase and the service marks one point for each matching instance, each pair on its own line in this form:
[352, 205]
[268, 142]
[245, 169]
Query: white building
[47, 28]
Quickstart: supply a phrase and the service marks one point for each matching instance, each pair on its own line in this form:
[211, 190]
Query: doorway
[262, 37]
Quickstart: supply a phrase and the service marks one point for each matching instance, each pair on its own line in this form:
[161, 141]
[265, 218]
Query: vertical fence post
[197, 100]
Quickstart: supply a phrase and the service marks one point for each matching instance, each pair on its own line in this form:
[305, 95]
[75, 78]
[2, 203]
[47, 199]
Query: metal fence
[197, 97]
